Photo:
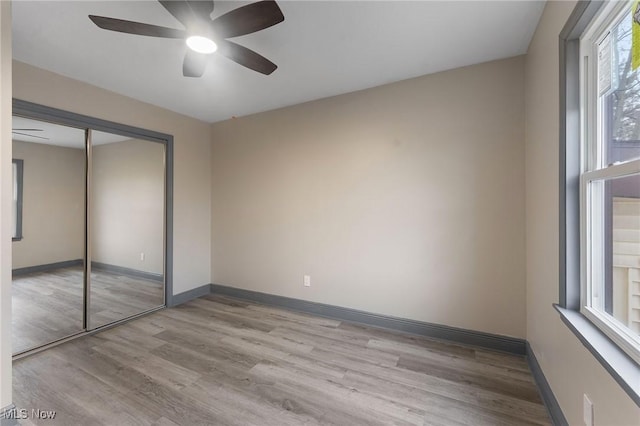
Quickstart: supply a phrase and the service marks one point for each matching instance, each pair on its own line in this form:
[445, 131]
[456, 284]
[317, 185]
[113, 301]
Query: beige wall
[127, 205]
[568, 366]
[5, 203]
[192, 147]
[404, 200]
[53, 204]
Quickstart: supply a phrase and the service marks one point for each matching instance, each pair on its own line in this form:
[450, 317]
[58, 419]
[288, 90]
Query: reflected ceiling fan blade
[31, 136]
[28, 130]
[138, 28]
[194, 64]
[189, 12]
[246, 57]
[248, 19]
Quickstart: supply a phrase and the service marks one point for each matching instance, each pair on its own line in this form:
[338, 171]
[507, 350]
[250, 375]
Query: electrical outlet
[307, 280]
[141, 255]
[587, 410]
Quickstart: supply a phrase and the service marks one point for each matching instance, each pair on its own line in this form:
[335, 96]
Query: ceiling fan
[20, 132]
[205, 35]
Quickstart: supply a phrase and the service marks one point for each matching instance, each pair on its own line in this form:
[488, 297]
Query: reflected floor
[49, 305]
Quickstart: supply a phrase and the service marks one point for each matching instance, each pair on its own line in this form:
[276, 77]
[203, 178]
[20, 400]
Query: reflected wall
[127, 228]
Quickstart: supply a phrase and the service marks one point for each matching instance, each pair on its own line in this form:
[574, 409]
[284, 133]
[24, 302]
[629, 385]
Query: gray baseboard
[185, 296]
[127, 271]
[8, 416]
[46, 267]
[459, 335]
[550, 401]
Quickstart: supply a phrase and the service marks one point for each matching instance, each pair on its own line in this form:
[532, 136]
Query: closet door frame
[58, 116]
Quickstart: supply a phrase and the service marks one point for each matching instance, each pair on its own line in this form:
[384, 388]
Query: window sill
[623, 369]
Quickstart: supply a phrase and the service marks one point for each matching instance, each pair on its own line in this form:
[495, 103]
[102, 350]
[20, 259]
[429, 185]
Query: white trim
[617, 170]
[609, 15]
[594, 172]
[615, 331]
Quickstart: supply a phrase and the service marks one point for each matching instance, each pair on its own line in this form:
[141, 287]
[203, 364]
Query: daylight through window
[610, 180]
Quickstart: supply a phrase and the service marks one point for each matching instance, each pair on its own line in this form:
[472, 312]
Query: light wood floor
[48, 306]
[217, 360]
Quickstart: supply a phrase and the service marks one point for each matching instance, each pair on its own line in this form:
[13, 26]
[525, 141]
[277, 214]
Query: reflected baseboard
[46, 267]
[99, 266]
[122, 270]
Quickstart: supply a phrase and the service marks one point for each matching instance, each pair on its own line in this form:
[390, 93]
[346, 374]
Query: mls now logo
[43, 414]
[16, 413]
[23, 413]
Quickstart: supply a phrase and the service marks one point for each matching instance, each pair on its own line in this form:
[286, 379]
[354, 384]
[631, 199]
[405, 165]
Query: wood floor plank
[83, 356]
[239, 408]
[187, 312]
[460, 374]
[222, 361]
[100, 401]
[469, 403]
[212, 348]
[162, 371]
[333, 391]
[127, 334]
[465, 364]
[500, 359]
[32, 392]
[438, 409]
[465, 392]
[262, 311]
[163, 421]
[435, 345]
[363, 352]
[175, 405]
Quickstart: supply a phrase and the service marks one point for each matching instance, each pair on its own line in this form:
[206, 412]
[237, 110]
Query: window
[610, 174]
[17, 200]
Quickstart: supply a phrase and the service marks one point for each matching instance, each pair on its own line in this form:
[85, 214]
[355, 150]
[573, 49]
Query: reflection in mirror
[48, 243]
[127, 227]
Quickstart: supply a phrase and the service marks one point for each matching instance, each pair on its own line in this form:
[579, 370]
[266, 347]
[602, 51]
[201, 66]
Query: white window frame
[593, 169]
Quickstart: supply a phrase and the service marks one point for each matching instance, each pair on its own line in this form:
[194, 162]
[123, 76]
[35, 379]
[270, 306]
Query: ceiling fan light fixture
[201, 44]
[202, 31]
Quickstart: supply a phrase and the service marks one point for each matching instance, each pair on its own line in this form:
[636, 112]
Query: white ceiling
[322, 49]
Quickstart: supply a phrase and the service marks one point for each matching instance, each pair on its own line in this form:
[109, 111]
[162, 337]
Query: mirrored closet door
[127, 227]
[49, 232]
[90, 222]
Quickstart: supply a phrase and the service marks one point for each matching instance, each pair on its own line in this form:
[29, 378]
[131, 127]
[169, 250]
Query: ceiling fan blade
[248, 19]
[246, 57]
[31, 136]
[137, 28]
[194, 64]
[189, 12]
